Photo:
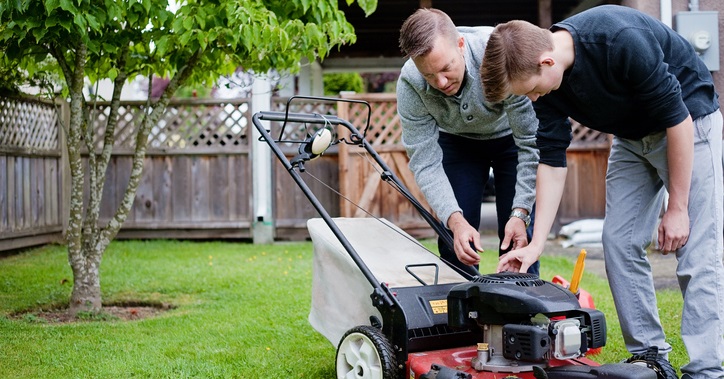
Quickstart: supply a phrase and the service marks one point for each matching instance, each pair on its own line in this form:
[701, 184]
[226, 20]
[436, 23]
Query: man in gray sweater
[454, 137]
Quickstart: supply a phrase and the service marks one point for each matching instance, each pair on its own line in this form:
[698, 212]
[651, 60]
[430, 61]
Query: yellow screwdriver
[578, 272]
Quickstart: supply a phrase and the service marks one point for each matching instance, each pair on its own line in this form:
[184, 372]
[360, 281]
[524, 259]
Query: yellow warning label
[438, 306]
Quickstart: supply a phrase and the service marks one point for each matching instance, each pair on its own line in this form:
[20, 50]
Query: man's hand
[519, 260]
[463, 235]
[673, 230]
[515, 233]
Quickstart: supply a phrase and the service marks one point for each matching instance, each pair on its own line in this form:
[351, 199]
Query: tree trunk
[86, 295]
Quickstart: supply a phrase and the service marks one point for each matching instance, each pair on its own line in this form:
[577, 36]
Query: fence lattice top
[584, 137]
[185, 125]
[32, 125]
[384, 127]
[384, 122]
[28, 124]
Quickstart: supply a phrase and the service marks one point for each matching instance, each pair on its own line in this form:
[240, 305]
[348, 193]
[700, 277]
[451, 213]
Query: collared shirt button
[465, 106]
[470, 117]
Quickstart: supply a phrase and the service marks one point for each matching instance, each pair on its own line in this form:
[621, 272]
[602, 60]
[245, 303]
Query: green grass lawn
[240, 312]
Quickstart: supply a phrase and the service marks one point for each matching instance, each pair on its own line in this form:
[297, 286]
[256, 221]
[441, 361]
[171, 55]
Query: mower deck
[460, 359]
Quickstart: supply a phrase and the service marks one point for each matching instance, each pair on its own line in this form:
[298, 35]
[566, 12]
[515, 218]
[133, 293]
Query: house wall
[653, 8]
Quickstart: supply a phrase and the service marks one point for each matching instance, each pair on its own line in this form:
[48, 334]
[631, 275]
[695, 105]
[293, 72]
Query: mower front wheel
[365, 353]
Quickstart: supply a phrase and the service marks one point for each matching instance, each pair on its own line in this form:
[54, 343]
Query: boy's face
[444, 66]
[538, 85]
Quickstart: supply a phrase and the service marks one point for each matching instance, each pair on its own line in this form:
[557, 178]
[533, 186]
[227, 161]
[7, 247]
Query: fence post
[262, 228]
[345, 208]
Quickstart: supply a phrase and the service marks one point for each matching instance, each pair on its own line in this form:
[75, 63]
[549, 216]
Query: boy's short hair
[512, 53]
[419, 31]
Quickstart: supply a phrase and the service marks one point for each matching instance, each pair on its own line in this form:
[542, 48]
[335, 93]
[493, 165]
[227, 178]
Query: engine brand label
[438, 306]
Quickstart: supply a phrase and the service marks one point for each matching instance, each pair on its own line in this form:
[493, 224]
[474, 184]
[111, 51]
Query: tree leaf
[80, 21]
[368, 6]
[305, 5]
[201, 39]
[92, 22]
[185, 37]
[201, 20]
[50, 5]
[67, 5]
[162, 45]
[113, 74]
[66, 23]
[38, 33]
[147, 5]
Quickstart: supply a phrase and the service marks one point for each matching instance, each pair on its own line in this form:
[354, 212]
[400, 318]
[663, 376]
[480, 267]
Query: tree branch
[114, 225]
[102, 160]
[75, 79]
[63, 63]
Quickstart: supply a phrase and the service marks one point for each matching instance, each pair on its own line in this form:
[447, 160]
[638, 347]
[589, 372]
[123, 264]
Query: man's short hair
[512, 53]
[419, 31]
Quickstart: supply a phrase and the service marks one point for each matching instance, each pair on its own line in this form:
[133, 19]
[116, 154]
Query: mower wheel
[651, 359]
[365, 353]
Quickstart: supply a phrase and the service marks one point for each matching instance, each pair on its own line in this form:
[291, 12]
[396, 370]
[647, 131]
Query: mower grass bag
[340, 291]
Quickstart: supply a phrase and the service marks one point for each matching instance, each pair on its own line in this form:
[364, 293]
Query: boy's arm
[549, 190]
[674, 227]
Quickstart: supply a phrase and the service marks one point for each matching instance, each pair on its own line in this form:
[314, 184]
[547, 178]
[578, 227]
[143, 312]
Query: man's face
[537, 85]
[444, 66]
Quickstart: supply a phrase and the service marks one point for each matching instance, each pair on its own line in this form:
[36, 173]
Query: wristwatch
[521, 215]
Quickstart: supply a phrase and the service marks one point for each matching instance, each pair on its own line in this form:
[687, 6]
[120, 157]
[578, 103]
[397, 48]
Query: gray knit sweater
[425, 112]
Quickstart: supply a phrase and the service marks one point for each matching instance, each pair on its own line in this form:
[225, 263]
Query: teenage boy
[620, 71]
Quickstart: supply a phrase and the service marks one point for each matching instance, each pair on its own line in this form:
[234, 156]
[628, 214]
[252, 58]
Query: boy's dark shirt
[632, 76]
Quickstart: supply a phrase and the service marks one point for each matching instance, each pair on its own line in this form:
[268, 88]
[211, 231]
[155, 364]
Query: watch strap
[521, 215]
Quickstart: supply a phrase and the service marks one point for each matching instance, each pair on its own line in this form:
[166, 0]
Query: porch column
[261, 169]
[305, 78]
[317, 79]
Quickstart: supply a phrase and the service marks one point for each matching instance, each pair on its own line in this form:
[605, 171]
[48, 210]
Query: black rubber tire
[365, 353]
[650, 359]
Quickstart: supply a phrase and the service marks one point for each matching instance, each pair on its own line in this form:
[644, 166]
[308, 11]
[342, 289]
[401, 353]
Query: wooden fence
[584, 195]
[197, 180]
[291, 207]
[359, 180]
[344, 179]
[197, 172]
[31, 180]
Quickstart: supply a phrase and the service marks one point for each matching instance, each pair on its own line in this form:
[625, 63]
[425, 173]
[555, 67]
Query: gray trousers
[637, 174]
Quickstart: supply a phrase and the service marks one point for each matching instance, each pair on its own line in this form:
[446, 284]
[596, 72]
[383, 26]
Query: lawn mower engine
[524, 320]
[530, 329]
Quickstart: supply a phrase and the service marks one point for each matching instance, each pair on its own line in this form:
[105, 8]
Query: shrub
[342, 81]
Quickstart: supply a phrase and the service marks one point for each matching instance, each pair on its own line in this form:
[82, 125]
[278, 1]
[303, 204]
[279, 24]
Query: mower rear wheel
[365, 353]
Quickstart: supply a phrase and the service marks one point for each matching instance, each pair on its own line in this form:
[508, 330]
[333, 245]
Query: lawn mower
[393, 309]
